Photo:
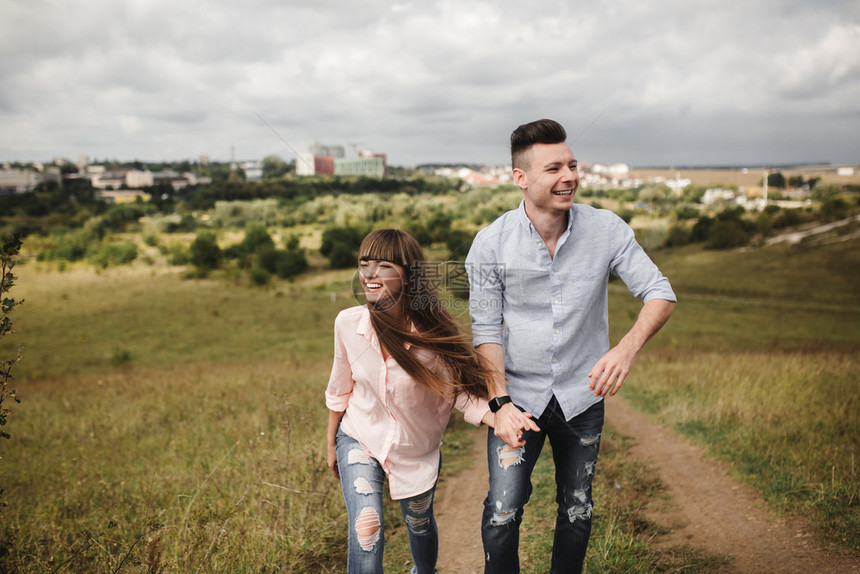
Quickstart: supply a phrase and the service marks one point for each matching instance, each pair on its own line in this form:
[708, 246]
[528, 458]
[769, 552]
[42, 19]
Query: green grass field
[174, 425]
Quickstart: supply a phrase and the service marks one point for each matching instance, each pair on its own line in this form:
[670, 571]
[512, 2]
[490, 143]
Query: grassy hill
[170, 424]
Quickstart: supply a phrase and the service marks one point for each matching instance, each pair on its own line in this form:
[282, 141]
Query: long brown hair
[435, 328]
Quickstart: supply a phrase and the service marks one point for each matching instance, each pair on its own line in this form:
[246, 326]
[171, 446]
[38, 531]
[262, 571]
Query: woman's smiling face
[382, 282]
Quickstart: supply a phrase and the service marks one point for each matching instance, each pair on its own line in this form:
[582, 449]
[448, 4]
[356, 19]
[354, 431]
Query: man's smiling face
[551, 179]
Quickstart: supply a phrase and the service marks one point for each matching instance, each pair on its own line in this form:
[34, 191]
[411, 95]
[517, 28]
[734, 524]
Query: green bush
[259, 276]
[205, 252]
[677, 236]
[186, 223]
[109, 254]
[726, 235]
[459, 243]
[834, 208]
[283, 263]
[686, 212]
[342, 256]
[701, 229]
[348, 237]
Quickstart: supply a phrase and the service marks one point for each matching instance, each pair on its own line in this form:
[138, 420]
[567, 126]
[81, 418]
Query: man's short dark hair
[526, 135]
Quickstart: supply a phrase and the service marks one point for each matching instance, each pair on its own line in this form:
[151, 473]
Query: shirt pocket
[587, 285]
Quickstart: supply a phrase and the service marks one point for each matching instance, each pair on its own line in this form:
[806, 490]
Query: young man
[538, 279]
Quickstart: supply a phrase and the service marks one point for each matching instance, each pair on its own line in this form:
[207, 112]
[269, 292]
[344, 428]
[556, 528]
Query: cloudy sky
[668, 82]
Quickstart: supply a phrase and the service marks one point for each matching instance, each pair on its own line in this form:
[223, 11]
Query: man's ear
[520, 178]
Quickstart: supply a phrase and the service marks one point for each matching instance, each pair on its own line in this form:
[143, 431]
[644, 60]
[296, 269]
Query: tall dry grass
[198, 469]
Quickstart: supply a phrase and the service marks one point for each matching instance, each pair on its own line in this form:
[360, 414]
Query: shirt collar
[525, 221]
[366, 330]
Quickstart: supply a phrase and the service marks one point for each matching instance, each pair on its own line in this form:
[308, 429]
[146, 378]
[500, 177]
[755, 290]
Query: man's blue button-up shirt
[550, 314]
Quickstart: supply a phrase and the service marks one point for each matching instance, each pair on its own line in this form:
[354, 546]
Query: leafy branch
[9, 252]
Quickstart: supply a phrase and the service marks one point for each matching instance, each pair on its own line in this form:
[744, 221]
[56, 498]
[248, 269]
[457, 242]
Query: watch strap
[496, 403]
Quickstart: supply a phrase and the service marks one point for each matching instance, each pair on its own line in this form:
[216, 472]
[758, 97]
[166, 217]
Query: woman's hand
[331, 460]
[511, 423]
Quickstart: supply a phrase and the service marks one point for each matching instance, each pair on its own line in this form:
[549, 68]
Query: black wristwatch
[496, 404]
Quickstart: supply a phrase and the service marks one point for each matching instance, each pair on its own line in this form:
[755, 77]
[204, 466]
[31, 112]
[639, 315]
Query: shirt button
[555, 360]
[557, 331]
[555, 302]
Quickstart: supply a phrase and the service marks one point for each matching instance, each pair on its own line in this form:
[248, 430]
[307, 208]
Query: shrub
[458, 244]
[701, 229]
[256, 237]
[790, 217]
[259, 276]
[205, 253]
[290, 264]
[726, 235]
[109, 254]
[342, 256]
[776, 180]
[686, 212]
[284, 264]
[626, 215]
[834, 208]
[348, 237]
[677, 236]
[185, 223]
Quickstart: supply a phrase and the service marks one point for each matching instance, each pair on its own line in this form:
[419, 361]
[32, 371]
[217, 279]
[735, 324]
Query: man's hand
[510, 423]
[608, 374]
[611, 369]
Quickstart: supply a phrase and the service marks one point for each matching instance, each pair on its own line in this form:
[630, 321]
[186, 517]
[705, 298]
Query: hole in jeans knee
[501, 518]
[421, 505]
[581, 511]
[510, 455]
[367, 528]
[417, 525]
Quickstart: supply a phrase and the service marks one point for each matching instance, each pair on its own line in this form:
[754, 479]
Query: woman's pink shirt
[398, 421]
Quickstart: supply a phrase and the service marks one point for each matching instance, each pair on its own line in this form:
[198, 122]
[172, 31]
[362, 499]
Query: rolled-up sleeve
[340, 382]
[472, 407]
[486, 286]
[633, 266]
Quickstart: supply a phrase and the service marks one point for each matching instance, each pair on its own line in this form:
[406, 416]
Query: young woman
[400, 366]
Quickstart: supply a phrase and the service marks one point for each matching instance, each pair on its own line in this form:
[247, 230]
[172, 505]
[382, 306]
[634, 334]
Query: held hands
[510, 423]
[612, 368]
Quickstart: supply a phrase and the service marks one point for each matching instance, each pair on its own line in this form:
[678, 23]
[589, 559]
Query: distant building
[373, 166]
[107, 179]
[136, 178]
[323, 165]
[846, 170]
[175, 180]
[123, 195]
[18, 180]
[320, 150]
[716, 194]
[330, 160]
[305, 164]
[253, 171]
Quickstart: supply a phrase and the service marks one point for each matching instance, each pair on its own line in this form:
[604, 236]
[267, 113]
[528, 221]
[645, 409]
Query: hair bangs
[390, 245]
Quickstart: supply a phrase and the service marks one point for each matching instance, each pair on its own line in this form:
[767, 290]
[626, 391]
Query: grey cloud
[431, 81]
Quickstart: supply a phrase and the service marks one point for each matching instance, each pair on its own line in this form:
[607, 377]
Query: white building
[138, 178]
[305, 164]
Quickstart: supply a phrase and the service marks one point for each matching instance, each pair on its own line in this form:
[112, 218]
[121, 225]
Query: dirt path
[710, 510]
